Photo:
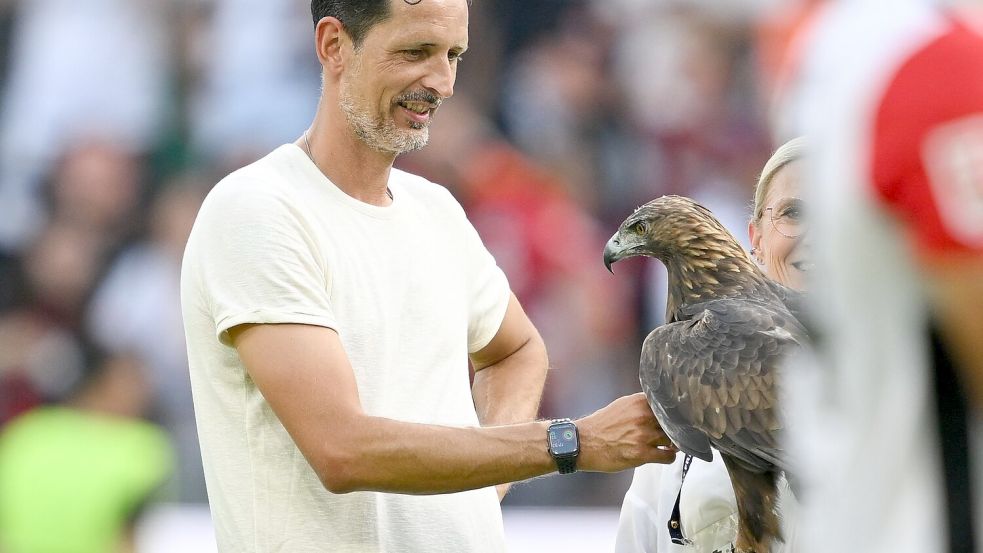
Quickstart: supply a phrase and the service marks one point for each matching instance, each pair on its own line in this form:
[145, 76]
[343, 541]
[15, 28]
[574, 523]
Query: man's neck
[354, 167]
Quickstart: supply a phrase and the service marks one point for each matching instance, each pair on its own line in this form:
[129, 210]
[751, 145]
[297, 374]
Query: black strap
[675, 525]
[953, 420]
[566, 465]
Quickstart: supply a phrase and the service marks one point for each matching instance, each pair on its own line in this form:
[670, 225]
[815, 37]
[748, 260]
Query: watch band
[566, 465]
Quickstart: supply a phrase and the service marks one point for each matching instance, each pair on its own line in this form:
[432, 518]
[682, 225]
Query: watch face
[564, 439]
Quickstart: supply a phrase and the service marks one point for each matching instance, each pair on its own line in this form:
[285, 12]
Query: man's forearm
[506, 394]
[306, 378]
[400, 457]
[374, 453]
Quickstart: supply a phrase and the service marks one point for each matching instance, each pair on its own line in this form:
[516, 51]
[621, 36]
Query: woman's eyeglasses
[787, 218]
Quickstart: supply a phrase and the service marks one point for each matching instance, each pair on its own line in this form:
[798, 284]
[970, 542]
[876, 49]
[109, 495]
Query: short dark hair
[358, 16]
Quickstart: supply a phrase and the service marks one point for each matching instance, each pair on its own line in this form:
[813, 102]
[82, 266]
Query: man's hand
[621, 436]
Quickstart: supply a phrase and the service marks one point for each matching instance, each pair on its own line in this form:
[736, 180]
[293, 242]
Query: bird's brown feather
[712, 372]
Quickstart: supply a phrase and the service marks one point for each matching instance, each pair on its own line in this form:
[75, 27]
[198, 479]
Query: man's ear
[331, 42]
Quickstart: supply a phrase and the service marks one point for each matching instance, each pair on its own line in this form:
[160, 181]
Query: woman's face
[778, 236]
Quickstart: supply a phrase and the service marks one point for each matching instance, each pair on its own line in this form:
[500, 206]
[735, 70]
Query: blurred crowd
[117, 116]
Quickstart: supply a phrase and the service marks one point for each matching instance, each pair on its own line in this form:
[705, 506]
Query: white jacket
[708, 510]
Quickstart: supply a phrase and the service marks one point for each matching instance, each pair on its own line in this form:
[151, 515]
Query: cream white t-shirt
[410, 290]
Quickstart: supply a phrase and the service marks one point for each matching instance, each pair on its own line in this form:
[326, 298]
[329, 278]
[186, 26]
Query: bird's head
[672, 227]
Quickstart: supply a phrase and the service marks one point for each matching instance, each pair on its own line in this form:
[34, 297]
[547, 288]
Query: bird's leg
[756, 495]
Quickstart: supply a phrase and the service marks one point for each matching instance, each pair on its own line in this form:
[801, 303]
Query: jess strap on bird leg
[675, 522]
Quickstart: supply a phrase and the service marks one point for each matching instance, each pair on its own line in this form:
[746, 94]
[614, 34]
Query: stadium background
[118, 115]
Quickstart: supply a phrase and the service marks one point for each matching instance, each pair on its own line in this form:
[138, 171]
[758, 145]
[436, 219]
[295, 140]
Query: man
[329, 302]
[893, 107]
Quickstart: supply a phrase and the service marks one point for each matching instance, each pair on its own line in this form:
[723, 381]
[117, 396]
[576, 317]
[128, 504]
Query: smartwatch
[564, 444]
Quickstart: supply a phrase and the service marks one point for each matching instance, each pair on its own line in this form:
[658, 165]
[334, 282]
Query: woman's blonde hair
[785, 154]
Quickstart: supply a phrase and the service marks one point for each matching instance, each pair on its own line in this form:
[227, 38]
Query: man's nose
[440, 77]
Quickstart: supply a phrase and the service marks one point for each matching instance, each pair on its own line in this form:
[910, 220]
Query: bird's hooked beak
[613, 251]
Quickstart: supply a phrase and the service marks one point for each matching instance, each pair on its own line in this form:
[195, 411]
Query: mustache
[420, 96]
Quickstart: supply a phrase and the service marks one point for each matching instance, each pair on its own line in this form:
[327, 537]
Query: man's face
[402, 71]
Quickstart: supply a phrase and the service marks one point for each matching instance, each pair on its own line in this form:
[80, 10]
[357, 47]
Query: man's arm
[306, 377]
[510, 373]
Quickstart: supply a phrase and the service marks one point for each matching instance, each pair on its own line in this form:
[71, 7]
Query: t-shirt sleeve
[488, 286]
[927, 145]
[257, 260]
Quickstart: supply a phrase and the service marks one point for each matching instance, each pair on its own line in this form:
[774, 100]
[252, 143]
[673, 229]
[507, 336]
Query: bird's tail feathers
[757, 506]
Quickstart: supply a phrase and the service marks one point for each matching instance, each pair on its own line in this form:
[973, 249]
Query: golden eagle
[711, 372]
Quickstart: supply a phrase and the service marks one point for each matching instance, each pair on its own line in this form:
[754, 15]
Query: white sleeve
[257, 262]
[489, 288]
[639, 526]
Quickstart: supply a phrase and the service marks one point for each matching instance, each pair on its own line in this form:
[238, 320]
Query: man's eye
[455, 57]
[413, 54]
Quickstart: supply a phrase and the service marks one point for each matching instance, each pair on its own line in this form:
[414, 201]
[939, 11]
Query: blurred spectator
[77, 70]
[62, 267]
[780, 35]
[92, 198]
[40, 358]
[691, 112]
[19, 389]
[6, 23]
[556, 100]
[713, 134]
[256, 84]
[478, 73]
[137, 308]
[96, 187]
[523, 21]
[74, 477]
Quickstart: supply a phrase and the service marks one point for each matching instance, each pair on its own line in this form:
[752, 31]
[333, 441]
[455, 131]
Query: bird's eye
[640, 227]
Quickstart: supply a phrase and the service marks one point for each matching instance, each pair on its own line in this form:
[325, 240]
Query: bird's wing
[795, 301]
[711, 378]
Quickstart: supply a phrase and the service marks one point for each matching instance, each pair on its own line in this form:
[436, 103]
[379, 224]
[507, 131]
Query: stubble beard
[379, 132]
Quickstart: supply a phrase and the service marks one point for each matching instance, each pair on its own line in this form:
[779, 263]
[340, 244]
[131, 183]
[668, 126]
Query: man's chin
[396, 142]
[413, 140]
[401, 148]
